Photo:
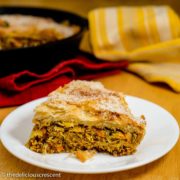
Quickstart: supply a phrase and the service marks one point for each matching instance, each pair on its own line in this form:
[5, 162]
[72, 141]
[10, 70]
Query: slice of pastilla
[83, 116]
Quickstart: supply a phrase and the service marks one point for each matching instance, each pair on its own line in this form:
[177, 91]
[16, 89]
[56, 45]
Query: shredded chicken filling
[59, 137]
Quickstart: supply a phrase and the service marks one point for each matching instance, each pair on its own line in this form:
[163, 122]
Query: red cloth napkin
[22, 87]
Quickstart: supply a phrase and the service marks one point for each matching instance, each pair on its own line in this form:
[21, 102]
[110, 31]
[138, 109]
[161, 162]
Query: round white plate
[162, 133]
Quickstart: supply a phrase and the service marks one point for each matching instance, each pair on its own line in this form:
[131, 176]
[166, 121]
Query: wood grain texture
[166, 168]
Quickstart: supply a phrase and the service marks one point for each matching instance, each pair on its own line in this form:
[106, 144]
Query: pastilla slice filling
[83, 116]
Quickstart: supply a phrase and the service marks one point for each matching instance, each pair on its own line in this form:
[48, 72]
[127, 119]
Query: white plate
[162, 134]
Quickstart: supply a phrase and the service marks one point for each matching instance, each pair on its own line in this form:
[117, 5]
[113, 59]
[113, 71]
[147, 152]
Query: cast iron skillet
[43, 57]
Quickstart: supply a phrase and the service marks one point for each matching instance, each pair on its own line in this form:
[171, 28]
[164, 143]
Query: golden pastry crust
[88, 102]
[86, 116]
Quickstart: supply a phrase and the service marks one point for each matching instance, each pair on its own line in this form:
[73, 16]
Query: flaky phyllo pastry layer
[84, 117]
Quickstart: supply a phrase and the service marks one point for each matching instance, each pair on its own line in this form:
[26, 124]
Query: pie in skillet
[17, 31]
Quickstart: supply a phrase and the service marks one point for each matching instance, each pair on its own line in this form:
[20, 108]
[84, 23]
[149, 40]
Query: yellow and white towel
[147, 33]
[168, 73]
[135, 33]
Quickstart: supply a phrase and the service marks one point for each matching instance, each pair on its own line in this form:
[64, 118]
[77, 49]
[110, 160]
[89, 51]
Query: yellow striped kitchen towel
[167, 72]
[135, 33]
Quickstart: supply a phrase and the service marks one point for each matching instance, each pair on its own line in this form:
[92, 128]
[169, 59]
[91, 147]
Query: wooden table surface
[167, 167]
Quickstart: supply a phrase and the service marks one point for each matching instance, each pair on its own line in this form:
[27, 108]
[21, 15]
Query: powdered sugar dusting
[78, 92]
[93, 95]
